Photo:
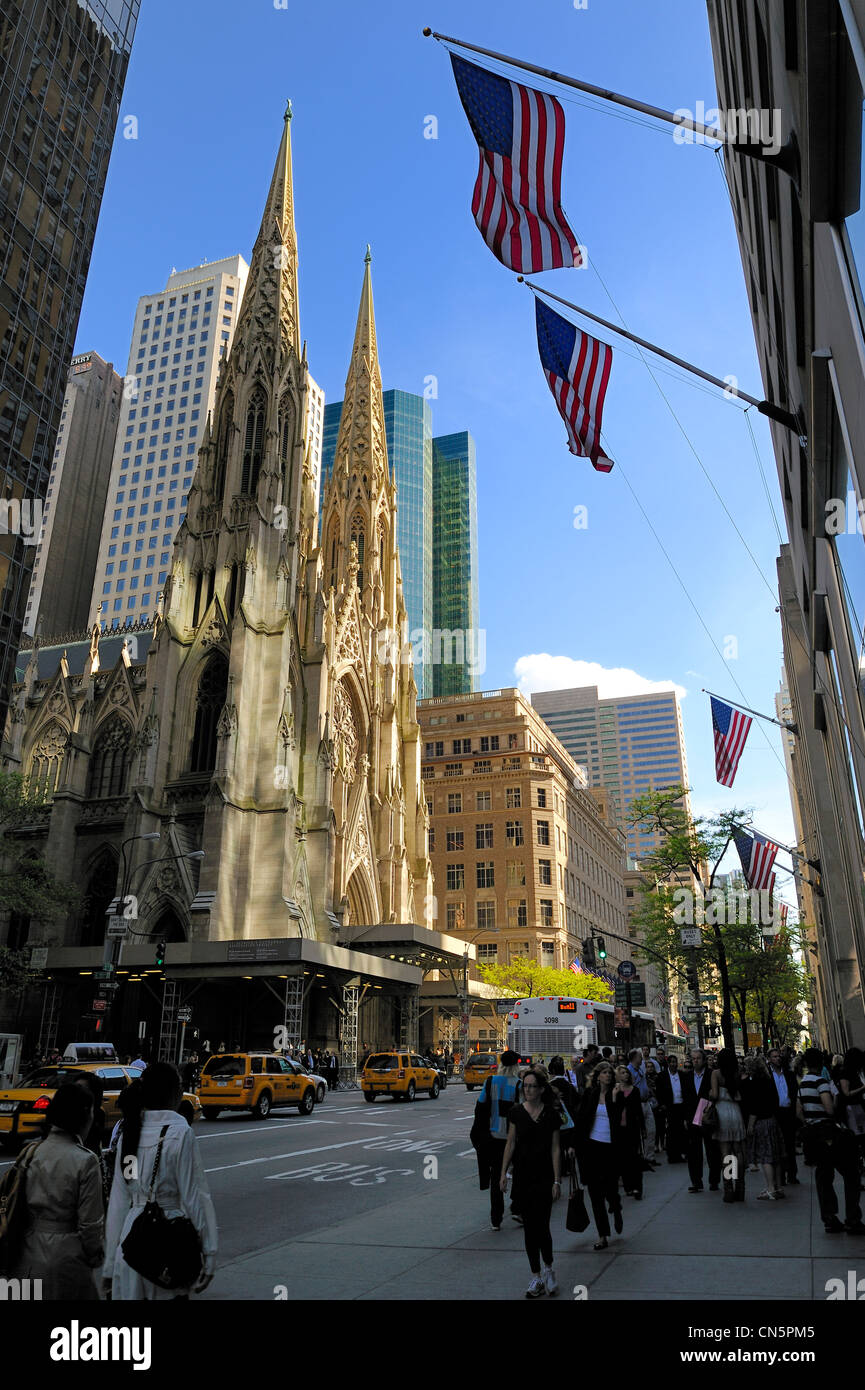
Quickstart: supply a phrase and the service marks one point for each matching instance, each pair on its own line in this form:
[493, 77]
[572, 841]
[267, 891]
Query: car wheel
[210, 1112]
[469, 1087]
[261, 1109]
[307, 1104]
[409, 1095]
[369, 1096]
[320, 1095]
[434, 1091]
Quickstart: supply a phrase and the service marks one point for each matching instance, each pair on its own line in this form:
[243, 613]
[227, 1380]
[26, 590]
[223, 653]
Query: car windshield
[383, 1061]
[225, 1066]
[47, 1077]
[482, 1059]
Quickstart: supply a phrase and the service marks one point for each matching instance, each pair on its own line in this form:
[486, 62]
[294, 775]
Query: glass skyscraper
[455, 557]
[431, 561]
[63, 68]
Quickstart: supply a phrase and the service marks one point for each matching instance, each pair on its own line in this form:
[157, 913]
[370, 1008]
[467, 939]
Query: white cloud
[541, 671]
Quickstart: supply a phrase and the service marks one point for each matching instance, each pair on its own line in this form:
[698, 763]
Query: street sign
[626, 970]
[711, 998]
[184, 1014]
[621, 1018]
[38, 957]
[637, 994]
[690, 936]
[99, 1005]
[117, 926]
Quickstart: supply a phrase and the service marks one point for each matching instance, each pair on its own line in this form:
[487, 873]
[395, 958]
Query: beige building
[801, 226]
[524, 858]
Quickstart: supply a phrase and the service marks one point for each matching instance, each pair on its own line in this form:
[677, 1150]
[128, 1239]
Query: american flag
[757, 855]
[731, 730]
[577, 368]
[517, 196]
[575, 966]
[785, 908]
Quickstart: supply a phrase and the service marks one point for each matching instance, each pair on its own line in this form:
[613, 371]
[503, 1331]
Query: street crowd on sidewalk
[606, 1120]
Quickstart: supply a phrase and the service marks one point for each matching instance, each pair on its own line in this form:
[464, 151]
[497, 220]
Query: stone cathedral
[265, 719]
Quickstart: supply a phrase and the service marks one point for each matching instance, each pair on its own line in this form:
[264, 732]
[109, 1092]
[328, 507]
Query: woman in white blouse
[150, 1107]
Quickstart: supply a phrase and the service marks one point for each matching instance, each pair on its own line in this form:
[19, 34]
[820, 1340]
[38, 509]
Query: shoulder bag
[577, 1218]
[165, 1250]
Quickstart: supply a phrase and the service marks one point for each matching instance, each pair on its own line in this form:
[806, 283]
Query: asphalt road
[276, 1179]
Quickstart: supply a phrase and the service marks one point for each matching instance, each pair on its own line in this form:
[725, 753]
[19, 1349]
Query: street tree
[687, 859]
[524, 978]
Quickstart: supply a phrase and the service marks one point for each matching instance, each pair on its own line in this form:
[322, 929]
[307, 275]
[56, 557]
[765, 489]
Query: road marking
[464, 1152]
[300, 1153]
[262, 1129]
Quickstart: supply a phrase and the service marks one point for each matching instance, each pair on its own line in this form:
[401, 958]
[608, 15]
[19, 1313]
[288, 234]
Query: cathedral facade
[242, 780]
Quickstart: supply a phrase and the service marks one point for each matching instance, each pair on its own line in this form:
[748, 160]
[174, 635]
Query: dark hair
[814, 1059]
[854, 1061]
[157, 1089]
[69, 1108]
[546, 1090]
[94, 1085]
[557, 1066]
[728, 1066]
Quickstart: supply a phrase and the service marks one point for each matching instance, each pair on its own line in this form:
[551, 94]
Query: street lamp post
[464, 996]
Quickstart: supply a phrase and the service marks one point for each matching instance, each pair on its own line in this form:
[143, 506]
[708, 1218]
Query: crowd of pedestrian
[607, 1119]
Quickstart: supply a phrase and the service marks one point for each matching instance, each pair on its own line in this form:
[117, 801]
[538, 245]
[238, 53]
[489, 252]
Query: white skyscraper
[179, 336]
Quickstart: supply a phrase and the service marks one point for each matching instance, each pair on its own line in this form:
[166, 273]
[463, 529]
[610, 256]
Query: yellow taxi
[479, 1065]
[398, 1074]
[22, 1108]
[255, 1081]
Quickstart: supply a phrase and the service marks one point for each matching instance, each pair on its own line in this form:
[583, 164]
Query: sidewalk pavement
[675, 1245]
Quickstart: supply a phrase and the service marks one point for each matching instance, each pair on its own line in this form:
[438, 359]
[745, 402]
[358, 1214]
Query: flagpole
[774, 412]
[793, 853]
[793, 728]
[787, 159]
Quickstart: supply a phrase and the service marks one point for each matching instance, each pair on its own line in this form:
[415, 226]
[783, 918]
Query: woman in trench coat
[150, 1105]
[63, 1244]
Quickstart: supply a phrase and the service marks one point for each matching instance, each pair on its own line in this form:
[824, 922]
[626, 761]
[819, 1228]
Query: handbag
[577, 1218]
[166, 1250]
[705, 1115]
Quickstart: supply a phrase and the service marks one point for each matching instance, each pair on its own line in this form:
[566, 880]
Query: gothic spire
[269, 314]
[361, 442]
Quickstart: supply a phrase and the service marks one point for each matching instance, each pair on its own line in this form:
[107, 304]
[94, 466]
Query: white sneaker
[549, 1277]
[536, 1287]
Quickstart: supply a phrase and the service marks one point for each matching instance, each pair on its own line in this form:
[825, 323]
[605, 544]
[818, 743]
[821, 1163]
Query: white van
[90, 1052]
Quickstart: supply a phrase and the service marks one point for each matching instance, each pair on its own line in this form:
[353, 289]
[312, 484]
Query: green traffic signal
[602, 949]
[160, 953]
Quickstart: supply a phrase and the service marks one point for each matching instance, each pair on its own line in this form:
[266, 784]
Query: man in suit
[788, 1089]
[698, 1086]
[672, 1097]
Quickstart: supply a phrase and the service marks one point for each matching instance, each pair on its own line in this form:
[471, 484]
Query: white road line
[464, 1152]
[300, 1153]
[262, 1129]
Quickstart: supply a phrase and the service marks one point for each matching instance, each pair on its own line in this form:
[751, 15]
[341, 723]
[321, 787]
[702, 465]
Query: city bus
[563, 1026]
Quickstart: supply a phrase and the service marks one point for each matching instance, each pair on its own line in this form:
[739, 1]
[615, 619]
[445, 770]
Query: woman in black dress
[534, 1150]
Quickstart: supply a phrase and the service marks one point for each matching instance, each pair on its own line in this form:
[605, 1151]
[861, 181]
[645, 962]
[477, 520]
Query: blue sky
[208, 86]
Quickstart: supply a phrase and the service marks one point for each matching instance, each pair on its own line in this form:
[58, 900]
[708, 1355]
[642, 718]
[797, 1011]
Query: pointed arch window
[196, 607]
[333, 551]
[236, 587]
[286, 430]
[253, 443]
[358, 536]
[212, 691]
[101, 889]
[109, 761]
[46, 761]
[223, 443]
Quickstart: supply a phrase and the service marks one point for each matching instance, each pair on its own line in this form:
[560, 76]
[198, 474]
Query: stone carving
[213, 633]
[345, 733]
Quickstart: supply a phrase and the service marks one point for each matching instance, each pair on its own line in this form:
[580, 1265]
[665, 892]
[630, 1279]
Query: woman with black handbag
[161, 1221]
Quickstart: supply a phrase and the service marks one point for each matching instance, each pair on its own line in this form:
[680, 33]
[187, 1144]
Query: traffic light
[160, 953]
[602, 949]
[659, 1037]
[589, 952]
[693, 982]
